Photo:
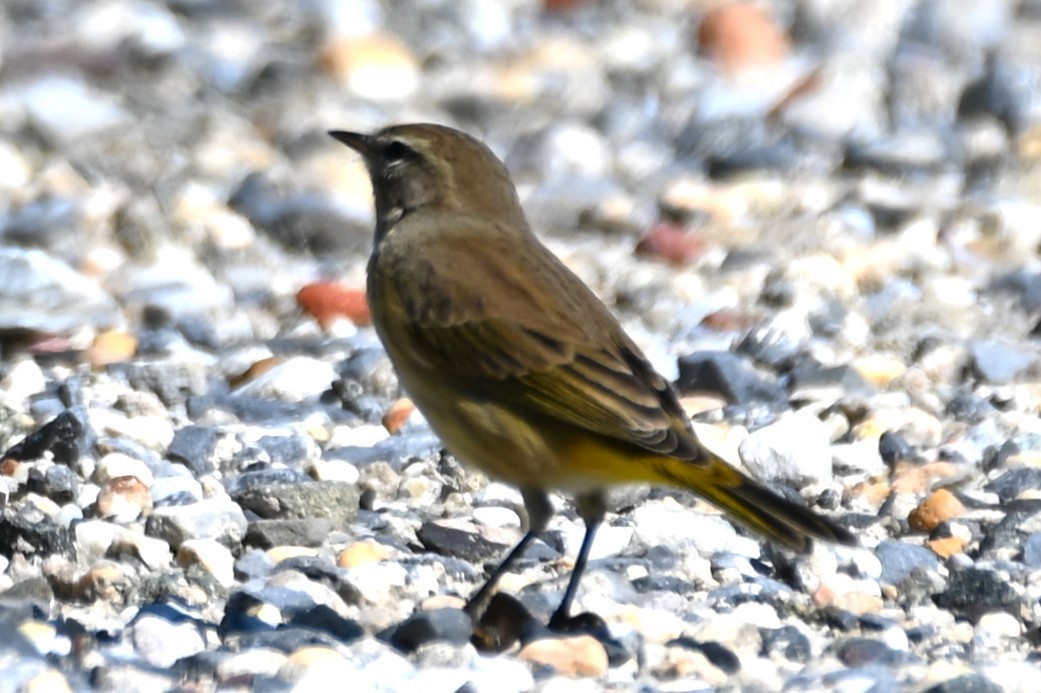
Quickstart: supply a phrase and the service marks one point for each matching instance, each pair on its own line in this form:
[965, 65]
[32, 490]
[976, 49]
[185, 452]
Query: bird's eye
[395, 152]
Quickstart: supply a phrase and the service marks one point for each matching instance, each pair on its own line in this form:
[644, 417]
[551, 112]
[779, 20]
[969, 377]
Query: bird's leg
[591, 508]
[539, 510]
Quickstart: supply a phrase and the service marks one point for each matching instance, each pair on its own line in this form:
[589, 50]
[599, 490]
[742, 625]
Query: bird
[517, 365]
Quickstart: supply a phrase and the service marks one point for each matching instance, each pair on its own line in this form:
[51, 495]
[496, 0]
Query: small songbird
[516, 364]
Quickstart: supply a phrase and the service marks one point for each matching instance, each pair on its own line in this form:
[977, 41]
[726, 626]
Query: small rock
[789, 641]
[310, 532]
[61, 437]
[812, 380]
[296, 379]
[111, 346]
[58, 483]
[117, 464]
[937, 508]
[900, 560]
[199, 448]
[722, 657]
[96, 539]
[161, 642]
[123, 499]
[740, 36]
[997, 362]
[213, 518]
[581, 655]
[463, 539]
[398, 414]
[335, 501]
[363, 553]
[859, 652]
[1015, 482]
[50, 681]
[379, 66]
[795, 449]
[327, 302]
[316, 666]
[251, 663]
[440, 625]
[672, 243]
[729, 375]
[211, 556]
[967, 683]
[64, 109]
[21, 380]
[946, 547]
[324, 618]
[974, 591]
[1032, 551]
[658, 525]
[28, 531]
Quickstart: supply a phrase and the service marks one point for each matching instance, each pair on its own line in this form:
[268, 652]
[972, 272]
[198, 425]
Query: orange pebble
[327, 301]
[936, 509]
[398, 414]
[742, 35]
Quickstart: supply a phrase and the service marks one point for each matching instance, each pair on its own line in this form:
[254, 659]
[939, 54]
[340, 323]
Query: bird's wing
[564, 357]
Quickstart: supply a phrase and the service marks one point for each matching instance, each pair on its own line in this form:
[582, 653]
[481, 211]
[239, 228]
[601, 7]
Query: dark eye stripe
[396, 151]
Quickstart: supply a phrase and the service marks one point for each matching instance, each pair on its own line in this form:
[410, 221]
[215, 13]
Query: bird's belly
[492, 439]
[514, 448]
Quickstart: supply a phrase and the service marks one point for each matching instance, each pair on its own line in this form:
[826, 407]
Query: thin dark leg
[563, 612]
[539, 510]
[475, 606]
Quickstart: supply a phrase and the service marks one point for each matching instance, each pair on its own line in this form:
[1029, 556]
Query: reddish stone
[671, 242]
[740, 36]
[327, 301]
[398, 414]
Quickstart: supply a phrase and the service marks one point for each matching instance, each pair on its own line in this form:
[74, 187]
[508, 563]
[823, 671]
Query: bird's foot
[586, 623]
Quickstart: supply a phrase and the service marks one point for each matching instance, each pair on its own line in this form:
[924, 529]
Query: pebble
[741, 36]
[65, 109]
[294, 380]
[211, 518]
[731, 376]
[379, 67]
[978, 590]
[658, 524]
[900, 560]
[95, 538]
[439, 625]
[161, 642]
[211, 556]
[996, 362]
[327, 302]
[310, 532]
[795, 449]
[581, 655]
[937, 508]
[463, 539]
[123, 499]
[336, 501]
[43, 294]
[315, 666]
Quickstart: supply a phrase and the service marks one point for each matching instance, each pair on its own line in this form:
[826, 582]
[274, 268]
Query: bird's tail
[749, 502]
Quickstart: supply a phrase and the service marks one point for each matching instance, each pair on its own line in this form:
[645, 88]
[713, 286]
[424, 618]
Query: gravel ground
[821, 217]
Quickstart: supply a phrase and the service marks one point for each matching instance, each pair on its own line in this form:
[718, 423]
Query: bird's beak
[363, 144]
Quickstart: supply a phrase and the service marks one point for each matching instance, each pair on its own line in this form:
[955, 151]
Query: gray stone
[42, 294]
[336, 501]
[213, 518]
[900, 559]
